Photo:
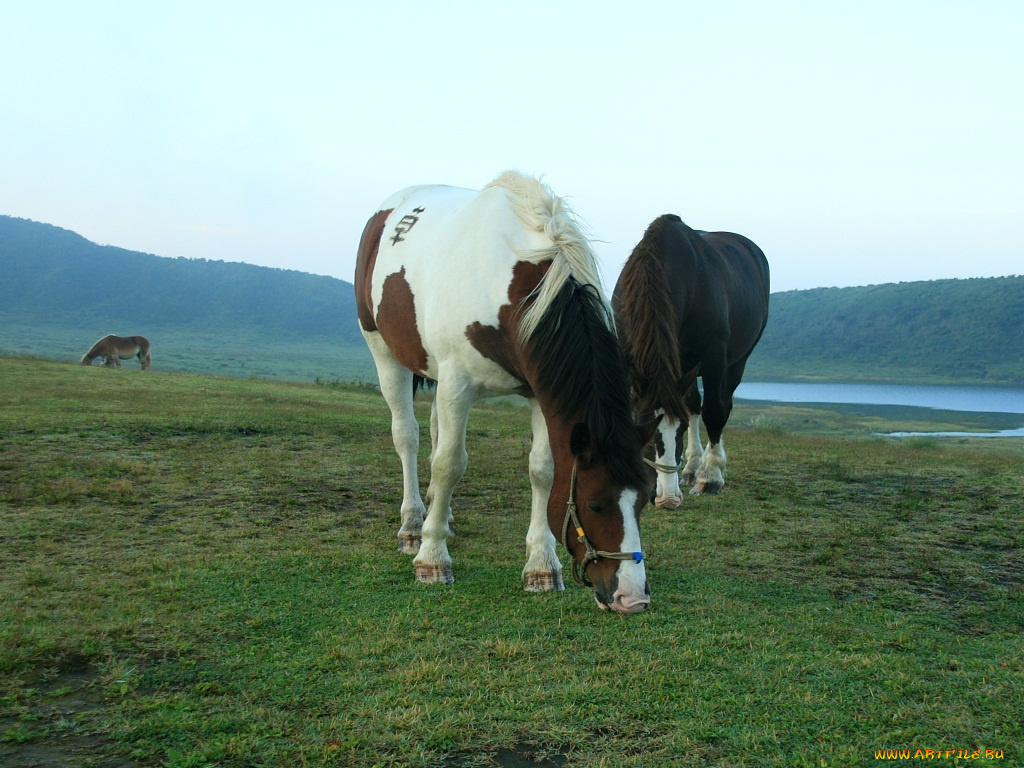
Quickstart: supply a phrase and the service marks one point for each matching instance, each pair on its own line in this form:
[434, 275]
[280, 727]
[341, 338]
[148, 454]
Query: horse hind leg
[710, 475]
[396, 386]
[433, 564]
[433, 450]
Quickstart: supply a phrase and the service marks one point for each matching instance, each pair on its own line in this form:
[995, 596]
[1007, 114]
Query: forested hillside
[50, 273]
[970, 331]
[59, 293]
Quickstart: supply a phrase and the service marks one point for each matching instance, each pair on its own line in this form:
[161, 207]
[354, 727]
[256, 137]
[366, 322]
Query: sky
[857, 142]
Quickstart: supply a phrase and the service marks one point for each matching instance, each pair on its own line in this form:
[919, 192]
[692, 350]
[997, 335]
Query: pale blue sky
[857, 142]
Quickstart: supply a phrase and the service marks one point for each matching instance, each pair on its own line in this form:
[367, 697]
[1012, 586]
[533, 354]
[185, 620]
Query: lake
[969, 399]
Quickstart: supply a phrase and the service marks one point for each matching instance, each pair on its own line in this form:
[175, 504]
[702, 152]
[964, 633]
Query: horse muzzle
[625, 603]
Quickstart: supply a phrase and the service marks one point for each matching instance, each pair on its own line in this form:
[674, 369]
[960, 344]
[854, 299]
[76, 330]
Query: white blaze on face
[666, 449]
[631, 595]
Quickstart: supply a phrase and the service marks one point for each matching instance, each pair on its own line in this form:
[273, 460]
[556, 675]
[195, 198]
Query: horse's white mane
[570, 253]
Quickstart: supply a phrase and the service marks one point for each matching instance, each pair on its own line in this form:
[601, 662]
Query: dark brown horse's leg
[717, 405]
[694, 450]
[716, 414]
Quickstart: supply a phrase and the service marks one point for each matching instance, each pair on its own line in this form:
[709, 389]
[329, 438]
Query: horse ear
[579, 440]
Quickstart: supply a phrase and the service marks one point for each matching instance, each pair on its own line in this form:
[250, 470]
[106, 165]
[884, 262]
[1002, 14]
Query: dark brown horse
[689, 304]
[117, 348]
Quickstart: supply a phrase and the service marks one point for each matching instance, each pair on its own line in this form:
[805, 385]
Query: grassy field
[178, 350]
[200, 571]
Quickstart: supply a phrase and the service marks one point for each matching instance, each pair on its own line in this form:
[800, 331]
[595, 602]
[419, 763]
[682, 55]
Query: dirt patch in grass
[517, 756]
[50, 726]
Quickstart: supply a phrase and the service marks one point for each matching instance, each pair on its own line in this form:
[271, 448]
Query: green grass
[198, 571]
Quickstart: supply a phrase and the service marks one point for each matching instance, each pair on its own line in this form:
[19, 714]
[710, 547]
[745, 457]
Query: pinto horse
[495, 292]
[689, 304]
[117, 348]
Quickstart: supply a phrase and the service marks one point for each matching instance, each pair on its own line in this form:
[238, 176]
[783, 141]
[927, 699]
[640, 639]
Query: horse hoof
[688, 478]
[706, 489]
[668, 502]
[409, 543]
[434, 573]
[543, 581]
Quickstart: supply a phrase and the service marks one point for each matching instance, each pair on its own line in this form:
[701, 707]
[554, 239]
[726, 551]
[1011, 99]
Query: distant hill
[60, 292]
[49, 272]
[956, 331]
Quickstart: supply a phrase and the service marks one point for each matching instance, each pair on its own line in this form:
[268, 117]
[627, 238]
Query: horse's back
[744, 257]
[442, 263]
[720, 287]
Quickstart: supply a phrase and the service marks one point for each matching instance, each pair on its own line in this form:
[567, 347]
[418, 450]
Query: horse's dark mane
[579, 364]
[647, 326]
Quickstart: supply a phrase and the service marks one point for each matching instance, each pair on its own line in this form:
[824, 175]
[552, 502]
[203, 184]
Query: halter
[667, 468]
[579, 570]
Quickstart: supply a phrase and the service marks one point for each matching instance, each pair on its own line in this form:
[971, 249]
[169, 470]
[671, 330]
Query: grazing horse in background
[496, 292]
[689, 304]
[117, 348]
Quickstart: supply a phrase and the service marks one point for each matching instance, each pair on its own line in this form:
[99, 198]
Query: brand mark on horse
[404, 224]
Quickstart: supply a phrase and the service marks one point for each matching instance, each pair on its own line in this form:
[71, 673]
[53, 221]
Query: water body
[967, 399]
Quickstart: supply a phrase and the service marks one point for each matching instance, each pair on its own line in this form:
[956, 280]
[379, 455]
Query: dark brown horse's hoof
[543, 581]
[409, 543]
[707, 489]
[434, 573]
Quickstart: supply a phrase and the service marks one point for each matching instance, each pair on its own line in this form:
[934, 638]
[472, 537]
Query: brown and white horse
[117, 348]
[689, 304]
[493, 292]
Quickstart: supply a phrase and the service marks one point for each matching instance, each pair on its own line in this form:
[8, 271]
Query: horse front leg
[433, 564]
[543, 570]
[694, 451]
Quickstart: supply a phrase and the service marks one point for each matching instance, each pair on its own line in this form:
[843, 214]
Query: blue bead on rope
[638, 557]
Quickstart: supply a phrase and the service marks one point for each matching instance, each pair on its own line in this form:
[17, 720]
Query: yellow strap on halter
[580, 533]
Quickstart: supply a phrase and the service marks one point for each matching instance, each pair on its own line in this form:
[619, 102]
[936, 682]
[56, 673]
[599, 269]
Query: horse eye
[595, 507]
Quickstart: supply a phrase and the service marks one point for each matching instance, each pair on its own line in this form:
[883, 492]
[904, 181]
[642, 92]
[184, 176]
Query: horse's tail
[646, 321]
[422, 383]
[569, 254]
[145, 352]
